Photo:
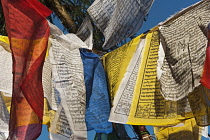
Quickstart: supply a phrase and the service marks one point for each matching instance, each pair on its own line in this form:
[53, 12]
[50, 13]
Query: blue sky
[160, 11]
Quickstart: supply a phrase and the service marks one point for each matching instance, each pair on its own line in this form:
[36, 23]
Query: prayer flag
[28, 32]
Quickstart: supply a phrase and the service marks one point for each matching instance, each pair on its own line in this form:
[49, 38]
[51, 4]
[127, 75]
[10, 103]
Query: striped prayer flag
[28, 32]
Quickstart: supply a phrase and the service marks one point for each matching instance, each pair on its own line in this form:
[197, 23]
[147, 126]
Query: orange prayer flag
[28, 32]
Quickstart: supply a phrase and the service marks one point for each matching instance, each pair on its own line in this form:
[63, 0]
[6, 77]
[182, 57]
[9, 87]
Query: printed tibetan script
[115, 64]
[138, 98]
[185, 46]
[85, 33]
[123, 99]
[68, 74]
[118, 19]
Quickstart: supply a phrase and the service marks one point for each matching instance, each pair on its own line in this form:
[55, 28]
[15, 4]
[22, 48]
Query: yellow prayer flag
[48, 114]
[148, 106]
[4, 39]
[116, 63]
[188, 131]
[46, 118]
[4, 42]
[199, 103]
[7, 101]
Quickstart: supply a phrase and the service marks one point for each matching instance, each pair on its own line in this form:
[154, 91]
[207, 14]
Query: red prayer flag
[205, 79]
[28, 32]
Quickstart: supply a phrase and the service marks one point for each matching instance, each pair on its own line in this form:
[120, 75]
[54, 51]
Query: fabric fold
[68, 82]
[28, 33]
[97, 97]
[185, 44]
[118, 19]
